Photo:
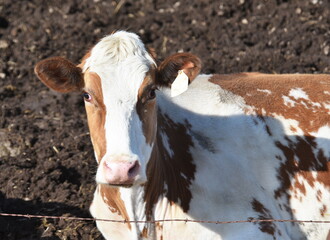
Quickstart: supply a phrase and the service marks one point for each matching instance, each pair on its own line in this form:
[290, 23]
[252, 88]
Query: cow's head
[119, 79]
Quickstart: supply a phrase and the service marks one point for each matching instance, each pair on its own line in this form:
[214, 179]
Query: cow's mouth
[121, 185]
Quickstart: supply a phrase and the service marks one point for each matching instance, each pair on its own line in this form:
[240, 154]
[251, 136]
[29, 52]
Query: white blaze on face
[121, 62]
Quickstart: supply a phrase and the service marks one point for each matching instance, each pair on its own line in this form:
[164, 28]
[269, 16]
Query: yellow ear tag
[180, 84]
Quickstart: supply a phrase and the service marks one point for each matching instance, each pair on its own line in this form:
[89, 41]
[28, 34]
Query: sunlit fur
[236, 163]
[121, 61]
[237, 160]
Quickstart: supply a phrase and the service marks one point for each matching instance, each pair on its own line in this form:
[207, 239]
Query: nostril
[134, 169]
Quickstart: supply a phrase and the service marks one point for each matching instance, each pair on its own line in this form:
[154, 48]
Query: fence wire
[252, 220]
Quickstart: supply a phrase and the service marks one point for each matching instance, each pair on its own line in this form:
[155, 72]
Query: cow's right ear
[60, 74]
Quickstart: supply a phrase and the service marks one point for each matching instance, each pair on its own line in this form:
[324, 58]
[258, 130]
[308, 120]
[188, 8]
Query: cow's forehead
[121, 62]
[117, 49]
[123, 82]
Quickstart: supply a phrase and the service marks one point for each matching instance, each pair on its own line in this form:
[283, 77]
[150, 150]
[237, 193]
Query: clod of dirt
[3, 22]
[7, 149]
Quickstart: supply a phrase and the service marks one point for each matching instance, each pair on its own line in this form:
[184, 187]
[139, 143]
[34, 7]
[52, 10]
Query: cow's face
[120, 101]
[119, 79]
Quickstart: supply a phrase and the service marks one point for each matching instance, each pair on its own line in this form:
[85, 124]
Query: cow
[223, 147]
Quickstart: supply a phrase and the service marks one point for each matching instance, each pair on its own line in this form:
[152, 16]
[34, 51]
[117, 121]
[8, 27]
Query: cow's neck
[170, 170]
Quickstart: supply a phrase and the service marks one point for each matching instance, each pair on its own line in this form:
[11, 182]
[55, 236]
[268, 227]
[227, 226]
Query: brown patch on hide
[298, 187]
[144, 233]
[146, 107]
[170, 176]
[300, 160]
[264, 213]
[159, 230]
[96, 113]
[111, 197]
[324, 176]
[293, 129]
[246, 85]
[268, 130]
[323, 210]
[319, 195]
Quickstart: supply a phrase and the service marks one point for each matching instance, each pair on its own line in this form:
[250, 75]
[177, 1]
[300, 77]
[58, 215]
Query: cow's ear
[169, 68]
[60, 74]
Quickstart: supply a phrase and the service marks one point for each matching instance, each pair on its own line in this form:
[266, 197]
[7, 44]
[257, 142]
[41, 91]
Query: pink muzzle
[120, 172]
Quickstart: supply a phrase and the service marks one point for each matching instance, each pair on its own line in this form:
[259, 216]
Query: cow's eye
[152, 94]
[87, 96]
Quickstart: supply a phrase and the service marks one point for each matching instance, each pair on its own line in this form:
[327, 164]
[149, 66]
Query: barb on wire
[252, 220]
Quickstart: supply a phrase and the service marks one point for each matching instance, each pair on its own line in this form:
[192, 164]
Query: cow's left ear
[169, 68]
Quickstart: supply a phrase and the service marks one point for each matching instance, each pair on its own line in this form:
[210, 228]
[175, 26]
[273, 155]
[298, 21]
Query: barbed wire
[252, 220]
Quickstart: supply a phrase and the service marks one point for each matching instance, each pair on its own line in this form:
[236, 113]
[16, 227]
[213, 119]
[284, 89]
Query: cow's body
[254, 155]
[232, 147]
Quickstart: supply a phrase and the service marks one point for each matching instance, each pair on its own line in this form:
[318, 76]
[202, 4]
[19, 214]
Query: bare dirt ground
[46, 159]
